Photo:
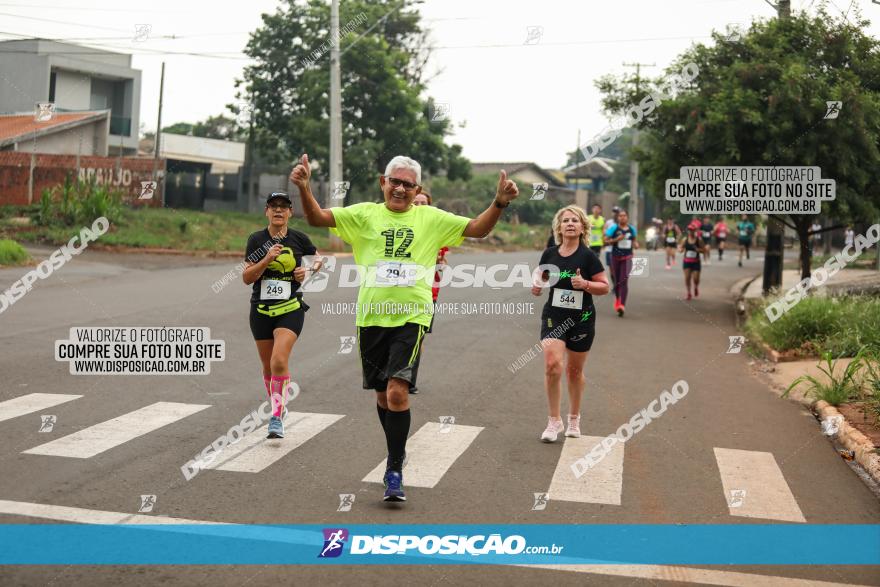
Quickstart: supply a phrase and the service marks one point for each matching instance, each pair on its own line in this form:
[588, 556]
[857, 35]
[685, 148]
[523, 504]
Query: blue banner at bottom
[428, 544]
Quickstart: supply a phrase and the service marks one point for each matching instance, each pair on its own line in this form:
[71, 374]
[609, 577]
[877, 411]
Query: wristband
[498, 205]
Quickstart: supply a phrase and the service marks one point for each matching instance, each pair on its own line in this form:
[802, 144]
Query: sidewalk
[846, 281]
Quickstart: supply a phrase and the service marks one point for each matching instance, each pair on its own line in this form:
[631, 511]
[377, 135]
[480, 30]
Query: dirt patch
[861, 420]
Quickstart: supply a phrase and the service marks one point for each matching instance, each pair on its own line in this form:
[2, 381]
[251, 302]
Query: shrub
[78, 203]
[12, 253]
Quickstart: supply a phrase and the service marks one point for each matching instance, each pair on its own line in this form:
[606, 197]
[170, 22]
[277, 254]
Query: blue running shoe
[276, 428]
[393, 486]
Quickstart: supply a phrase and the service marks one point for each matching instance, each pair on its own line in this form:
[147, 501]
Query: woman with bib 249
[273, 264]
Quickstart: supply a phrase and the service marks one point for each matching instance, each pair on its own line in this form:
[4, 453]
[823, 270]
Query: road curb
[851, 439]
[179, 252]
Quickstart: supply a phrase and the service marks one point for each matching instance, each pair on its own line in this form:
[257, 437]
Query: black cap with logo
[278, 196]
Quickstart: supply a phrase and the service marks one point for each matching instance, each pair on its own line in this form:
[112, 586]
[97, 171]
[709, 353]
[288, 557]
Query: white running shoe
[554, 427]
[574, 427]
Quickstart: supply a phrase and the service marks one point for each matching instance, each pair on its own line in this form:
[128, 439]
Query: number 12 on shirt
[404, 233]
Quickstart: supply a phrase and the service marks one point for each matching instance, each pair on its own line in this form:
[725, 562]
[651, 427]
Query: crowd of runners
[404, 236]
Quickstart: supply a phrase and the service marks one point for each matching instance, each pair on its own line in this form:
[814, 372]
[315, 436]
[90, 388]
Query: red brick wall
[124, 174]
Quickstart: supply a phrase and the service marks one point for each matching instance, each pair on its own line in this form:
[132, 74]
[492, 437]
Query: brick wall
[124, 174]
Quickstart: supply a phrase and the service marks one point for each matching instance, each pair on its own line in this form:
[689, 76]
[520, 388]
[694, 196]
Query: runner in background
[622, 239]
[745, 229]
[608, 224]
[706, 230]
[597, 229]
[671, 233]
[849, 236]
[424, 199]
[721, 236]
[692, 245]
[568, 320]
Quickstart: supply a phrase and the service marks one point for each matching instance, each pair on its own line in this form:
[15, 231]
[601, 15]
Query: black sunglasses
[396, 183]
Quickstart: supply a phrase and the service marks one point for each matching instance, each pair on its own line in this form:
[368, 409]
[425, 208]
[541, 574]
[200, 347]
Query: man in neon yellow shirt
[396, 244]
[597, 233]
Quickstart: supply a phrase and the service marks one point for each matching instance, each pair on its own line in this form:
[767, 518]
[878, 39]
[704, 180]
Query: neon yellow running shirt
[597, 225]
[398, 251]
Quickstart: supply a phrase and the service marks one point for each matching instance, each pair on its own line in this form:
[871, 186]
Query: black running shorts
[388, 352]
[578, 336]
[263, 327]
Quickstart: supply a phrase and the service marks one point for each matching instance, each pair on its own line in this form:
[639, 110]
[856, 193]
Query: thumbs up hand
[506, 190]
[577, 281]
[302, 173]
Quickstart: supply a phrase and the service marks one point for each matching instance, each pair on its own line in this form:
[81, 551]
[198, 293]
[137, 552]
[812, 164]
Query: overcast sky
[511, 101]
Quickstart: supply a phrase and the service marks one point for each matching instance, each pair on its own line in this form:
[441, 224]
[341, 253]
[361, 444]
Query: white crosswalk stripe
[102, 437]
[255, 452]
[603, 483]
[430, 452]
[754, 486]
[32, 402]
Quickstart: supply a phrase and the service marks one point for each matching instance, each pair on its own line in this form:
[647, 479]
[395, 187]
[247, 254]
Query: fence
[24, 176]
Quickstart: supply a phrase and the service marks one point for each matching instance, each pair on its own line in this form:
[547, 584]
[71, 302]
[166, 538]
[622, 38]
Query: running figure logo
[737, 496]
[147, 503]
[141, 32]
[440, 112]
[447, 423]
[538, 191]
[148, 188]
[832, 109]
[318, 281]
[639, 267]
[541, 500]
[533, 35]
[346, 344]
[346, 500]
[339, 190]
[831, 426]
[334, 541]
[44, 111]
[736, 344]
[47, 423]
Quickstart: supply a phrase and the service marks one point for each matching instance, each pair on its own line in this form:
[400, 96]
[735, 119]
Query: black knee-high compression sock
[382, 413]
[396, 431]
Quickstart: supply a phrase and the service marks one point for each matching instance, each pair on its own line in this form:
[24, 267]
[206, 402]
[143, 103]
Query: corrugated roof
[17, 127]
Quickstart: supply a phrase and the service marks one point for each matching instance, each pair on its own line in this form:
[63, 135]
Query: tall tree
[214, 127]
[384, 52]
[760, 99]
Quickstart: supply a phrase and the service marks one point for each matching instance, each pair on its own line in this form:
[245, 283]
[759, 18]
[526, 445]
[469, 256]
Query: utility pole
[578, 200]
[159, 132]
[335, 115]
[634, 207]
[774, 253]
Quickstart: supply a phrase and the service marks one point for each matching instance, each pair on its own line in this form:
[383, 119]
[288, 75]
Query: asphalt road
[680, 469]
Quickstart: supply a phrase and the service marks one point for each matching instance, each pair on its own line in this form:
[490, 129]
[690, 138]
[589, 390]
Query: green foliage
[841, 326]
[214, 127]
[12, 253]
[78, 203]
[836, 387]
[760, 100]
[383, 112]
[872, 382]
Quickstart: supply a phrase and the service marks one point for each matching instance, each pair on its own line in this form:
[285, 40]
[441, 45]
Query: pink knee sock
[278, 393]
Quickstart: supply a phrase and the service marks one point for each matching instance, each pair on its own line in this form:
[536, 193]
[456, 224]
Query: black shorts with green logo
[570, 327]
[388, 352]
